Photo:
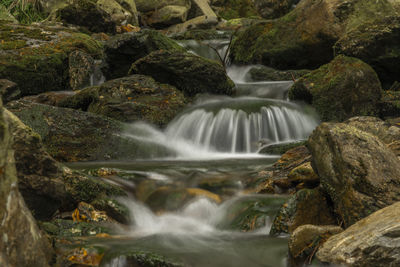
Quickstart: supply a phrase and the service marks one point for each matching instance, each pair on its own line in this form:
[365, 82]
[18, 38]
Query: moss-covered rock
[232, 9]
[86, 13]
[344, 88]
[36, 57]
[305, 37]
[167, 16]
[357, 170]
[189, 73]
[307, 206]
[124, 49]
[271, 9]
[128, 99]
[390, 104]
[67, 228]
[72, 135]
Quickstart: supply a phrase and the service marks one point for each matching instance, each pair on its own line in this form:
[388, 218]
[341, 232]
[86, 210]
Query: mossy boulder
[232, 9]
[36, 57]
[86, 13]
[344, 88]
[124, 49]
[72, 135]
[309, 35]
[307, 206]
[191, 74]
[129, 99]
[22, 244]
[357, 170]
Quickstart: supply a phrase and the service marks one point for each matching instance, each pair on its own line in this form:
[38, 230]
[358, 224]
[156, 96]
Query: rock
[306, 238]
[87, 213]
[36, 57]
[87, 14]
[122, 12]
[263, 73]
[390, 104]
[129, 99]
[9, 90]
[282, 148]
[49, 98]
[232, 9]
[385, 131]
[372, 241]
[305, 37]
[201, 22]
[271, 9]
[68, 228]
[344, 88]
[251, 213]
[307, 206]
[167, 16]
[72, 135]
[189, 73]
[171, 199]
[357, 170]
[304, 174]
[204, 8]
[201, 35]
[124, 49]
[81, 68]
[151, 5]
[21, 243]
[143, 258]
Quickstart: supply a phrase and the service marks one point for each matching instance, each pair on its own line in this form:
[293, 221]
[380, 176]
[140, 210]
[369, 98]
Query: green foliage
[25, 11]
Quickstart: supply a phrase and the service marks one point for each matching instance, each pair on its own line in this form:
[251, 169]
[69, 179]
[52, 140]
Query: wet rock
[9, 90]
[81, 68]
[231, 9]
[170, 199]
[189, 73]
[72, 135]
[343, 88]
[121, 11]
[372, 241]
[21, 243]
[358, 171]
[305, 175]
[143, 258]
[307, 238]
[124, 49]
[68, 228]
[87, 14]
[49, 98]
[201, 35]
[36, 57]
[222, 185]
[129, 99]
[264, 73]
[305, 37]
[307, 206]
[251, 213]
[279, 149]
[167, 16]
[87, 213]
[201, 22]
[271, 9]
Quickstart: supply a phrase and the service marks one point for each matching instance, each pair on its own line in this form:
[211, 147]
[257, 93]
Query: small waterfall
[237, 131]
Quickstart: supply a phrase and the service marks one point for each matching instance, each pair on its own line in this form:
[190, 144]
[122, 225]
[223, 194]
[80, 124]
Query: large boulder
[189, 73]
[344, 88]
[124, 49]
[22, 244]
[308, 36]
[372, 241]
[358, 171]
[36, 57]
[129, 99]
[72, 135]
[307, 206]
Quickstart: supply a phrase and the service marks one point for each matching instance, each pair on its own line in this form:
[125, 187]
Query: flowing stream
[190, 202]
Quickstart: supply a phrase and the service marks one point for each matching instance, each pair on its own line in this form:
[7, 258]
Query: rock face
[344, 88]
[307, 206]
[358, 171]
[308, 36]
[124, 49]
[18, 228]
[36, 57]
[373, 241]
[72, 135]
[128, 99]
[189, 73]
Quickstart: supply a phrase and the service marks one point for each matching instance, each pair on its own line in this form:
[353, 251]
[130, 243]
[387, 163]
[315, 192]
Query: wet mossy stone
[68, 228]
[314, 31]
[358, 171]
[36, 57]
[307, 206]
[72, 135]
[124, 49]
[341, 89]
[128, 99]
[191, 74]
[88, 14]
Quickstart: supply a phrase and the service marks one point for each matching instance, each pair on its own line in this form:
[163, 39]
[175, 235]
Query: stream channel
[211, 146]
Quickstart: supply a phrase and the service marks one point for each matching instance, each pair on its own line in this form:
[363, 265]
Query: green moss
[67, 228]
[233, 9]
